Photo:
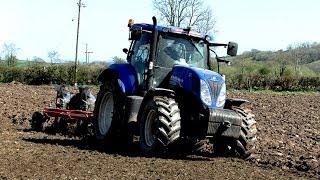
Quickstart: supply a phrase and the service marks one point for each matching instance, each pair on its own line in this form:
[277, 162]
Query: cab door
[138, 57]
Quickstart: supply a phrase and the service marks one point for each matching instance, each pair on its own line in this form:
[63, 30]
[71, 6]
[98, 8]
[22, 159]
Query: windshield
[176, 49]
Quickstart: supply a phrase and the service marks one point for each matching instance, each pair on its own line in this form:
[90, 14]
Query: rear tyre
[160, 125]
[244, 146]
[109, 114]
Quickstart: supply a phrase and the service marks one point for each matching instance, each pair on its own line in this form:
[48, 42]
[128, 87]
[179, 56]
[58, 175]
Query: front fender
[188, 79]
[126, 75]
[230, 102]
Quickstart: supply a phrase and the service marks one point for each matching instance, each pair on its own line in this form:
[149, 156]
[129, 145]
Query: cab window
[139, 56]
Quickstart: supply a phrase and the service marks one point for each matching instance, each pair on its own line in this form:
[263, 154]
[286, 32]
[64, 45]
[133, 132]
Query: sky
[39, 26]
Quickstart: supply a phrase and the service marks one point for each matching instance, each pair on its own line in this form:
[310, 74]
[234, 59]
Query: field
[288, 144]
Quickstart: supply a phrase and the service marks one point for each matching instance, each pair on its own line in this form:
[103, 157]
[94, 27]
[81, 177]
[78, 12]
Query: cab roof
[170, 29]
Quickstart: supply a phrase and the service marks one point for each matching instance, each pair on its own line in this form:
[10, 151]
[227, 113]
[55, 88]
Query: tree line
[248, 71]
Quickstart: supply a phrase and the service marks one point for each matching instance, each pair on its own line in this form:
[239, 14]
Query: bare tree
[186, 13]
[10, 51]
[54, 56]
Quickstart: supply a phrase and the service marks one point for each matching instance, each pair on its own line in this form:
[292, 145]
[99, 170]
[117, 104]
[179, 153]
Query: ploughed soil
[288, 144]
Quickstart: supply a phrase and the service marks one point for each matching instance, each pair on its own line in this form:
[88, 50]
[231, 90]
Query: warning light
[130, 23]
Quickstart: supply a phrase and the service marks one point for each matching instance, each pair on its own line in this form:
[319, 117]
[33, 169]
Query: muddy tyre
[109, 113]
[244, 146]
[160, 125]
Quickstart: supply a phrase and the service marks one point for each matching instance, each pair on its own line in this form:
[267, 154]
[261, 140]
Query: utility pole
[76, 59]
[87, 54]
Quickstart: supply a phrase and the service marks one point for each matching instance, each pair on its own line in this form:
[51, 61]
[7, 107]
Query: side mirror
[135, 34]
[232, 49]
[125, 50]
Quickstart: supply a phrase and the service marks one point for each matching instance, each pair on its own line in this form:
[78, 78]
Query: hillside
[298, 54]
[315, 66]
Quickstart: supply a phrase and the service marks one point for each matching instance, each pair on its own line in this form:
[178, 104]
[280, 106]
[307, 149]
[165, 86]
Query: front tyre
[160, 124]
[244, 146]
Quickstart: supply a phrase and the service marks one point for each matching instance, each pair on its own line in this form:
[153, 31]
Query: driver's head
[175, 50]
[178, 48]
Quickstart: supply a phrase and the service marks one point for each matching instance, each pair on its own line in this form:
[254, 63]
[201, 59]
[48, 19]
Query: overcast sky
[39, 26]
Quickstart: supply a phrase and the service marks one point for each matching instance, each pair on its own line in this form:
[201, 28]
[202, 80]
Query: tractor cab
[172, 47]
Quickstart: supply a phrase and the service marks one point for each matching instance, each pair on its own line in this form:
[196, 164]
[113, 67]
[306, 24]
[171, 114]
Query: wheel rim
[149, 130]
[105, 113]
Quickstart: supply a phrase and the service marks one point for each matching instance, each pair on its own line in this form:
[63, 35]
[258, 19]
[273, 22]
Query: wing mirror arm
[219, 59]
[218, 44]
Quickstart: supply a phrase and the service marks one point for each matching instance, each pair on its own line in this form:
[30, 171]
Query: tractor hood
[207, 85]
[207, 75]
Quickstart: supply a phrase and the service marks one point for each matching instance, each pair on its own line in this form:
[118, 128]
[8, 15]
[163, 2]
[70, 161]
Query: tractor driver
[140, 55]
[172, 51]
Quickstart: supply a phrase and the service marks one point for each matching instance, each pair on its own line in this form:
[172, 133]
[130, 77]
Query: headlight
[205, 93]
[222, 96]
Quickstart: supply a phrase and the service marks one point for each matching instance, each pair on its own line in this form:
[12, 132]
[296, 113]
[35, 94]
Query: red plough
[68, 108]
[72, 115]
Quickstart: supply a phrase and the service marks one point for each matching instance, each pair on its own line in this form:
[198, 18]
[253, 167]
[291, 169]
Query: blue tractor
[166, 94]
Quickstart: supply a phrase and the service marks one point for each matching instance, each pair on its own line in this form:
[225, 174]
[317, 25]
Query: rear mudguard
[125, 74]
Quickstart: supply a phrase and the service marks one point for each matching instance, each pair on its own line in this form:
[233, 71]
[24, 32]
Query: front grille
[215, 89]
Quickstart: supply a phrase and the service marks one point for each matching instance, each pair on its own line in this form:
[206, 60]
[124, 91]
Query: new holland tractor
[166, 94]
